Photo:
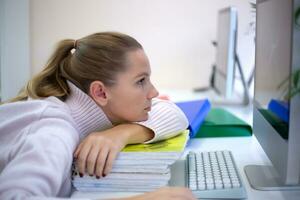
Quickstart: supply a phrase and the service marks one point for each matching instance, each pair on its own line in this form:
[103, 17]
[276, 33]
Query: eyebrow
[142, 74]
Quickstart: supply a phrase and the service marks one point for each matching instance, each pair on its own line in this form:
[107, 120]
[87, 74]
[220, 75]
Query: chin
[143, 118]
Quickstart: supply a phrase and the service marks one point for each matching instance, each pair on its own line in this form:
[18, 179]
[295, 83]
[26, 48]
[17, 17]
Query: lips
[148, 108]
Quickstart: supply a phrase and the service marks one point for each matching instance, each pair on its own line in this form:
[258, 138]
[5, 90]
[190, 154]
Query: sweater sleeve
[165, 120]
[42, 162]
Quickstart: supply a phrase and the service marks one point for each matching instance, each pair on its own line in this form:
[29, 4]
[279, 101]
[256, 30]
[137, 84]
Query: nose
[153, 92]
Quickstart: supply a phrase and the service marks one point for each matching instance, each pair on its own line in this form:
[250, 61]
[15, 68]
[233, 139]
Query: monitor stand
[264, 177]
[178, 174]
[219, 99]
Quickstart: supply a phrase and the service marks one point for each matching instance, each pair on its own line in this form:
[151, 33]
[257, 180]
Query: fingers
[77, 150]
[81, 158]
[91, 160]
[96, 153]
[101, 160]
[110, 160]
[98, 161]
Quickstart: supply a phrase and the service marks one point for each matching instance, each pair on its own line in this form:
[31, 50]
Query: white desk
[246, 151]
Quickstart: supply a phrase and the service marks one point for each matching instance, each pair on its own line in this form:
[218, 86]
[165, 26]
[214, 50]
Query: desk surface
[246, 151]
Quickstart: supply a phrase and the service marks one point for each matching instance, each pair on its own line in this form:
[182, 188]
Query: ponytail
[100, 56]
[49, 82]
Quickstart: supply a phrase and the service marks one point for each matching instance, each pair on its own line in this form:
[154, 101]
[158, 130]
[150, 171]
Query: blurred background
[177, 35]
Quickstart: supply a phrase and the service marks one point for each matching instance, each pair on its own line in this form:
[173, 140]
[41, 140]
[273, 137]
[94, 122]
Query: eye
[141, 81]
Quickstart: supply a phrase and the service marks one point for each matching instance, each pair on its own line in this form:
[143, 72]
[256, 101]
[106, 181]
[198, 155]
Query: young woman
[95, 92]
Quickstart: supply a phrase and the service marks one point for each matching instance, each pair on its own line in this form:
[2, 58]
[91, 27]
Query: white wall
[176, 34]
[14, 49]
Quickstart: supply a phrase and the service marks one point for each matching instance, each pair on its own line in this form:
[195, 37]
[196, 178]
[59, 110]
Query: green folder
[222, 123]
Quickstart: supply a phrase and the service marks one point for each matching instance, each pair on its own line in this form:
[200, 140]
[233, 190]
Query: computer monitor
[226, 50]
[223, 72]
[276, 113]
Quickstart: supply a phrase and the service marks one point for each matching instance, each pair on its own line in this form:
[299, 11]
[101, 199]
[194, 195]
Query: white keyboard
[214, 175]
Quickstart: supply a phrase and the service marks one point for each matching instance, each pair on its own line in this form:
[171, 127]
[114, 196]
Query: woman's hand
[97, 152]
[166, 193]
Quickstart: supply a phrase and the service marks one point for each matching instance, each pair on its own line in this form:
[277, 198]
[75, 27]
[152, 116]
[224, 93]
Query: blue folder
[195, 111]
[279, 108]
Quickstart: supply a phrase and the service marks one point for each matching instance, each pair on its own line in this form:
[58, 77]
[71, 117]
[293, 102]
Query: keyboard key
[219, 185]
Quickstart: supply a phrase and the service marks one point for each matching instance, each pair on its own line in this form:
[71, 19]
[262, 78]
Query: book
[195, 112]
[122, 181]
[221, 123]
[124, 176]
[163, 168]
[165, 149]
[138, 167]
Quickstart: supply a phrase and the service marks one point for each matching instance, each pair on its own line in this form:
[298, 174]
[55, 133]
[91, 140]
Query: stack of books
[138, 167]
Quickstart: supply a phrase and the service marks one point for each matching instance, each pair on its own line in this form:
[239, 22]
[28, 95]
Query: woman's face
[130, 98]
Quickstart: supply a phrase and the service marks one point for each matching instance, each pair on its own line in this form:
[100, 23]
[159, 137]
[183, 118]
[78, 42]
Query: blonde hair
[99, 56]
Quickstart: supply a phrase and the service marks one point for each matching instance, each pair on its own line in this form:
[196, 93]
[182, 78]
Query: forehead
[137, 63]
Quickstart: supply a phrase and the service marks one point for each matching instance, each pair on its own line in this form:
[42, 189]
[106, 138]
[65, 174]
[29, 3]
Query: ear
[98, 92]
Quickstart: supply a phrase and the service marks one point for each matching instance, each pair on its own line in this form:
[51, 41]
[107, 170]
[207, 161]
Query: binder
[195, 111]
[221, 123]
[279, 108]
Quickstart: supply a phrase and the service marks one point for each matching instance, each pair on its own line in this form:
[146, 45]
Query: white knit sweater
[38, 138]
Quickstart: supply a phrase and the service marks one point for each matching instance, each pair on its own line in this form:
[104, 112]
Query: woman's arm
[97, 152]
[165, 120]
[40, 168]
[165, 193]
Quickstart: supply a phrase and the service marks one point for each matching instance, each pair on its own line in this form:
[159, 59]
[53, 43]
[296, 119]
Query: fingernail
[80, 174]
[91, 174]
[103, 175]
[97, 177]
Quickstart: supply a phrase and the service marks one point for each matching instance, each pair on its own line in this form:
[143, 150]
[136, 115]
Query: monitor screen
[272, 62]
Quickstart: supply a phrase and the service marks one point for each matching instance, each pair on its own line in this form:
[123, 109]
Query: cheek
[132, 109]
[136, 110]
[129, 104]
[134, 99]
